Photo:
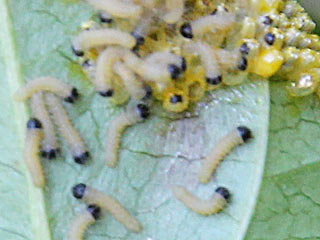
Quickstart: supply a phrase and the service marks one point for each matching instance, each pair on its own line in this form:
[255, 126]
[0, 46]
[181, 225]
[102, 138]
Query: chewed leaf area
[288, 205]
[165, 150]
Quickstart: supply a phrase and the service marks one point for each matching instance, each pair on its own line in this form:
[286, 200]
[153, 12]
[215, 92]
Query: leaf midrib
[14, 75]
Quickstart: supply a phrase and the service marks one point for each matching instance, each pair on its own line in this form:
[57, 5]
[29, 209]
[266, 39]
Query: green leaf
[163, 151]
[288, 205]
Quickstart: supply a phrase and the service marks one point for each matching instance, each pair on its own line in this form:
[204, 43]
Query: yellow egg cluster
[221, 42]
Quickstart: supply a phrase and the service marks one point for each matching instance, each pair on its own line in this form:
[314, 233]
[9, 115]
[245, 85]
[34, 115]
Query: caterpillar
[143, 28]
[101, 37]
[49, 144]
[238, 136]
[33, 140]
[131, 116]
[204, 207]
[218, 20]
[92, 195]
[120, 9]
[175, 11]
[148, 71]
[133, 85]
[208, 58]
[104, 70]
[66, 129]
[68, 93]
[83, 220]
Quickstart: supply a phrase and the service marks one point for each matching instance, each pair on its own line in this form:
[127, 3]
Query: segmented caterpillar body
[175, 11]
[83, 221]
[91, 195]
[224, 146]
[49, 144]
[66, 129]
[118, 125]
[33, 140]
[120, 9]
[219, 21]
[133, 85]
[49, 84]
[209, 59]
[104, 69]
[204, 207]
[148, 71]
[101, 37]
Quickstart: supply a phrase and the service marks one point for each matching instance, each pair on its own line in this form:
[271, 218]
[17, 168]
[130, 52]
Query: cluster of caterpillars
[172, 52]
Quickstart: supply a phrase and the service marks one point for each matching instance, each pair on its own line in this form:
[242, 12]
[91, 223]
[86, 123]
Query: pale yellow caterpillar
[33, 140]
[217, 21]
[238, 136]
[101, 37]
[173, 63]
[209, 60]
[130, 81]
[175, 10]
[49, 84]
[204, 207]
[91, 195]
[233, 61]
[148, 71]
[82, 221]
[104, 70]
[130, 117]
[120, 9]
[49, 144]
[143, 28]
[66, 129]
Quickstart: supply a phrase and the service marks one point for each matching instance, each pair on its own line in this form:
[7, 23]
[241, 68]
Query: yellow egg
[267, 63]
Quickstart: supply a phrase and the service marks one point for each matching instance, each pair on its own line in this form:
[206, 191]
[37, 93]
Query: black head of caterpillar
[245, 133]
[148, 91]
[174, 71]
[82, 158]
[94, 210]
[143, 111]
[243, 64]
[186, 30]
[139, 40]
[50, 154]
[108, 93]
[244, 49]
[78, 191]
[105, 18]
[34, 123]
[214, 80]
[77, 52]
[73, 97]
[267, 20]
[224, 192]
[269, 38]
